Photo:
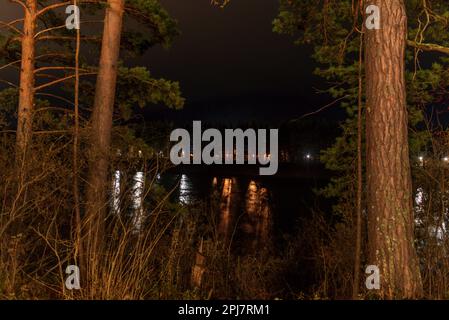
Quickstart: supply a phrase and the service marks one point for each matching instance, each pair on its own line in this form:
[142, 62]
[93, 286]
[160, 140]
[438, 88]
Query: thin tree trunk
[26, 93]
[389, 187]
[358, 226]
[102, 125]
[78, 244]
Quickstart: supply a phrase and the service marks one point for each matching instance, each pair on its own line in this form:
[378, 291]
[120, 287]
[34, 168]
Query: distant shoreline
[293, 171]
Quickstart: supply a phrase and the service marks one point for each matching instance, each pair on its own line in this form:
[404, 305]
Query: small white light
[446, 159]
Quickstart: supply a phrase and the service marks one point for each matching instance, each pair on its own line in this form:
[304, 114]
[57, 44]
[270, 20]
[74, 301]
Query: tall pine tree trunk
[389, 187]
[98, 177]
[26, 93]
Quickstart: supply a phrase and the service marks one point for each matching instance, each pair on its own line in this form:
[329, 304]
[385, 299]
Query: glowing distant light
[308, 156]
[421, 161]
[446, 159]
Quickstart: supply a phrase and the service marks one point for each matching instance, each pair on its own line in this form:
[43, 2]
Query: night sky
[230, 65]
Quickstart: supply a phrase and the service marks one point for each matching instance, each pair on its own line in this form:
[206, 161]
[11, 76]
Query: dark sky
[230, 51]
[230, 64]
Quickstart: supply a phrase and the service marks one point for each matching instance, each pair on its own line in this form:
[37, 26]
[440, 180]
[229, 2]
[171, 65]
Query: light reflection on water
[245, 214]
[137, 196]
[116, 182]
[184, 189]
[245, 206]
[137, 199]
[225, 208]
[245, 211]
[259, 214]
[255, 220]
[436, 226]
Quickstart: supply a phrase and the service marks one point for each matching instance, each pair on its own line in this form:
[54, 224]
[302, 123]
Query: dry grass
[155, 261]
[177, 253]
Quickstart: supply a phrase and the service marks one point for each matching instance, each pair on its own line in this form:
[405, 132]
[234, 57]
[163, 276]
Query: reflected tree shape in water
[225, 208]
[259, 214]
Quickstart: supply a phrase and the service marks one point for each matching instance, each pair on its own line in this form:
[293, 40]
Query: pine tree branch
[428, 47]
[10, 64]
[65, 4]
[64, 26]
[56, 68]
[9, 83]
[53, 6]
[66, 38]
[47, 55]
[62, 80]
[49, 29]
[10, 26]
